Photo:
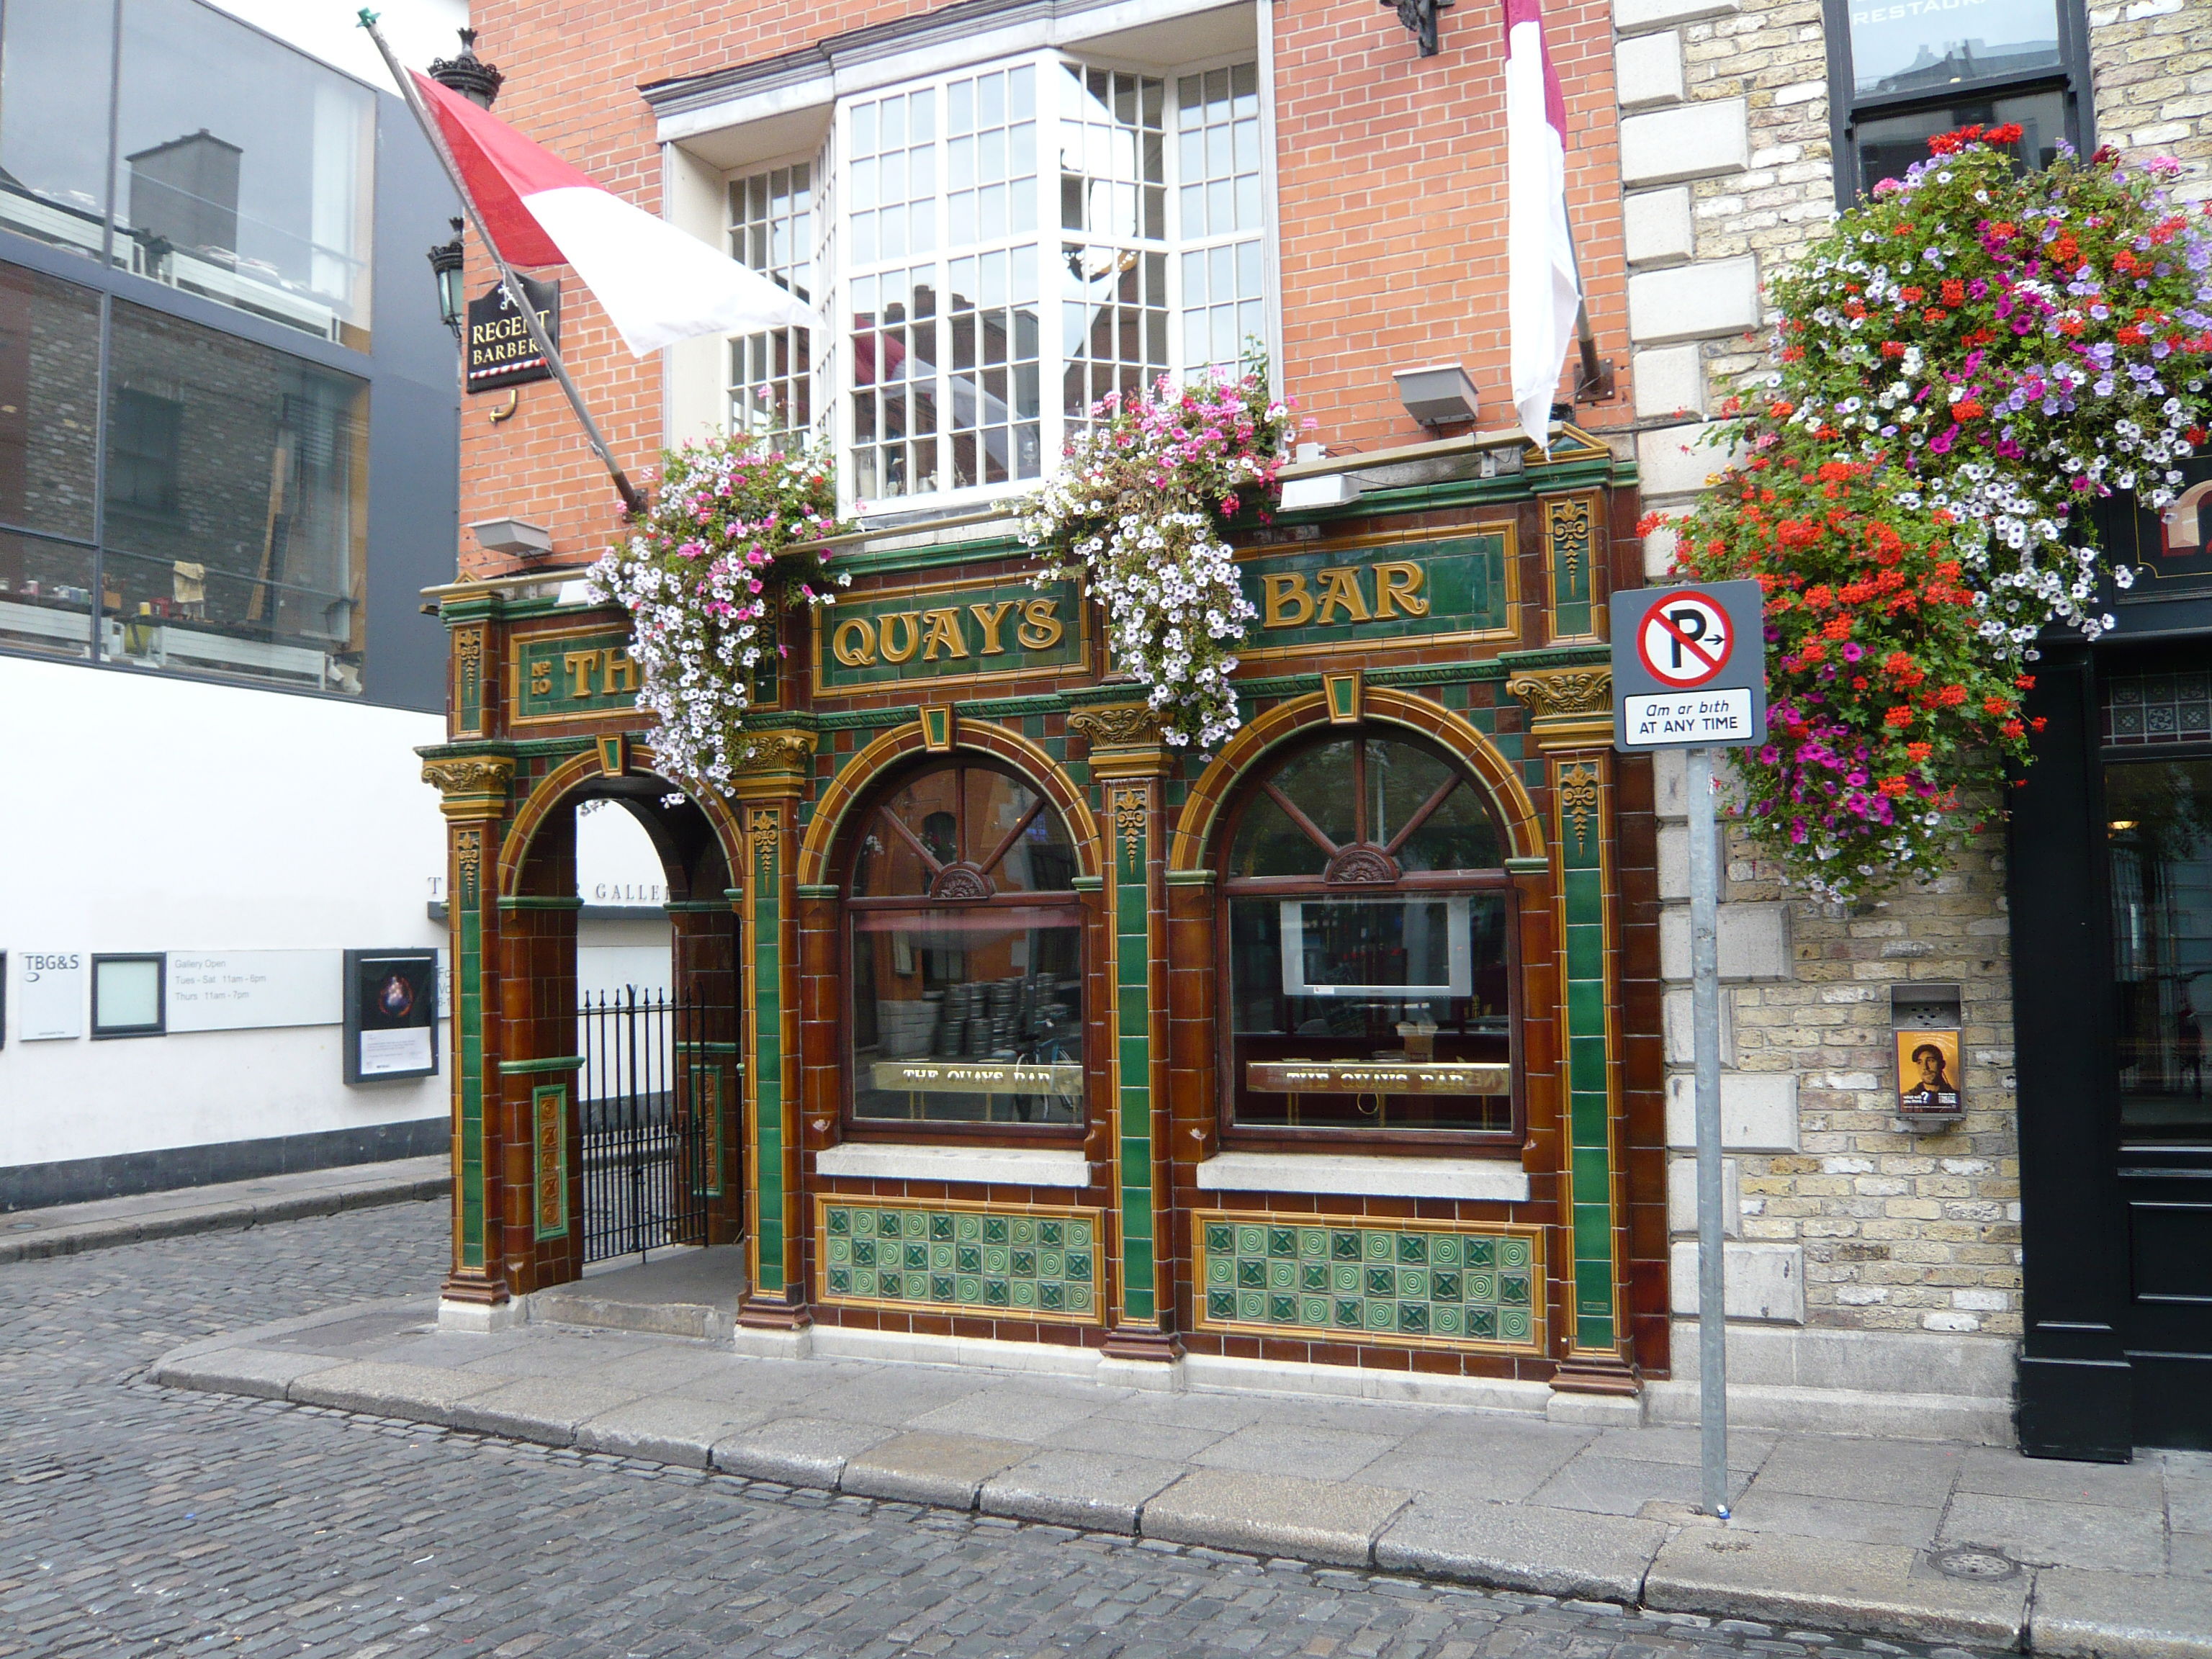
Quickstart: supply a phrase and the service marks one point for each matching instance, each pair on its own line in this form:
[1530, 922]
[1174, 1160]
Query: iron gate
[647, 1149]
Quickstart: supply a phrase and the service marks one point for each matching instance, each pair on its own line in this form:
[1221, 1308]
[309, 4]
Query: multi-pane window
[1901, 74]
[1223, 282]
[772, 373]
[963, 291]
[1113, 195]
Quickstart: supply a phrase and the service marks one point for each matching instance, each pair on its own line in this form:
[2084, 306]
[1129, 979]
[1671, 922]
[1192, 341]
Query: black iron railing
[646, 1147]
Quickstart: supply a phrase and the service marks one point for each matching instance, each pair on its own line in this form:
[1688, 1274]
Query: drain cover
[1969, 1562]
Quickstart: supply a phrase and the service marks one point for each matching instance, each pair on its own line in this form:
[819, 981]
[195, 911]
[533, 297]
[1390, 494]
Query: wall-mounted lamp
[517, 538]
[1420, 16]
[1439, 395]
[446, 267]
[468, 73]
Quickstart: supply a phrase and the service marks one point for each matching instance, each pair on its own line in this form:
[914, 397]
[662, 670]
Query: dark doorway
[2112, 882]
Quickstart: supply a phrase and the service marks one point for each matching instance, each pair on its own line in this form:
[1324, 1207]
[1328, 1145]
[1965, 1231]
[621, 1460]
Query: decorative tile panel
[1429, 1284]
[548, 1158]
[1007, 1262]
[2144, 709]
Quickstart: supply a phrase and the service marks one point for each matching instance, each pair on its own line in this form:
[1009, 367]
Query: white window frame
[833, 361]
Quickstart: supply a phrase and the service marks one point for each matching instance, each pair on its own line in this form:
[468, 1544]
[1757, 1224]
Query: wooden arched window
[1367, 941]
[965, 943]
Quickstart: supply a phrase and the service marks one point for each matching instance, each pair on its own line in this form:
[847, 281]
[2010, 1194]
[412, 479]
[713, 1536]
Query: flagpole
[633, 502]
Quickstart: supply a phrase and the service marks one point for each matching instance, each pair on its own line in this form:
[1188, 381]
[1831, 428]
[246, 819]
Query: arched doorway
[619, 964]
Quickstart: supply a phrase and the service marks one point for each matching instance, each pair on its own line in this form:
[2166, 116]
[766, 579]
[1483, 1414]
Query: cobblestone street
[135, 1519]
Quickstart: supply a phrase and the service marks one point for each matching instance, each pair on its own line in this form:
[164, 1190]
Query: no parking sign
[1689, 666]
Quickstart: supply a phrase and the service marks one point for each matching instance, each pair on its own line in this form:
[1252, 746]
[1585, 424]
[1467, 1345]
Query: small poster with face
[391, 1015]
[1928, 1073]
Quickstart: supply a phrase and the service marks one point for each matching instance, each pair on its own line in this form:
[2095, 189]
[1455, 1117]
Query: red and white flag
[1542, 292]
[657, 285]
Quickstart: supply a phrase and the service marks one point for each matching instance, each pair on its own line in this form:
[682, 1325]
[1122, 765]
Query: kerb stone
[1335, 1521]
[1519, 1547]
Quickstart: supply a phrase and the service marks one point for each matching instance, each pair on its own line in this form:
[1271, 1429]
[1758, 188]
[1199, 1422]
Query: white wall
[142, 813]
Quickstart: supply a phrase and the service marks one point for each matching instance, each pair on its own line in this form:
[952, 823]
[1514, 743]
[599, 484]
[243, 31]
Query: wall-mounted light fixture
[516, 537]
[1420, 16]
[446, 268]
[1439, 395]
[468, 73]
[1328, 489]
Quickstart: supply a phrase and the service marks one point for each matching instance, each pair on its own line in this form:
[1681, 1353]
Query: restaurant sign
[1328, 598]
[949, 633]
[500, 351]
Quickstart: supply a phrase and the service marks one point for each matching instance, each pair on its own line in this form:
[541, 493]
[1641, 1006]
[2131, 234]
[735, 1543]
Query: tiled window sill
[1349, 1175]
[877, 1160]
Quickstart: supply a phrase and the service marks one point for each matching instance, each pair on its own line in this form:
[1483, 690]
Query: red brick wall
[1393, 191]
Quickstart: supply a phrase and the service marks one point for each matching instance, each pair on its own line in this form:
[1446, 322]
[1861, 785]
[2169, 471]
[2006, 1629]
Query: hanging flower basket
[1960, 368]
[702, 578]
[1138, 513]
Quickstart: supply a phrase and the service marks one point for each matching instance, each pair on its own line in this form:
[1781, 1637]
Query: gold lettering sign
[564, 676]
[949, 632]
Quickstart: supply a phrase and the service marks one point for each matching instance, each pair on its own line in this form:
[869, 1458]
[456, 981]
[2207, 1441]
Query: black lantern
[445, 266]
[1418, 15]
[468, 73]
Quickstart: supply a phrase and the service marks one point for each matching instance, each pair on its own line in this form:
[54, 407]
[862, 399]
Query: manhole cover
[1968, 1562]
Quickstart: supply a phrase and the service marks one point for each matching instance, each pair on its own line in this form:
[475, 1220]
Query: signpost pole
[1705, 1030]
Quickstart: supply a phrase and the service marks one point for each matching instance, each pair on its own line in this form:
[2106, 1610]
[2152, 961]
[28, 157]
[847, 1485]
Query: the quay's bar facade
[1008, 1022]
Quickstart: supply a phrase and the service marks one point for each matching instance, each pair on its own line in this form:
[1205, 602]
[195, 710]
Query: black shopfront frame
[2107, 1363]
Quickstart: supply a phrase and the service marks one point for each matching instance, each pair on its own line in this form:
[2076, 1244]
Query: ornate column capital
[773, 764]
[470, 786]
[1126, 739]
[1569, 708]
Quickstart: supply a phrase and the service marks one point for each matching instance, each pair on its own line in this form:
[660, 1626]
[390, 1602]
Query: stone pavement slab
[1884, 1589]
[420, 1394]
[1517, 1546]
[1333, 1521]
[944, 1469]
[799, 1451]
[667, 1429]
[546, 1409]
[101, 1223]
[1103, 1491]
[2098, 1536]
[2115, 1615]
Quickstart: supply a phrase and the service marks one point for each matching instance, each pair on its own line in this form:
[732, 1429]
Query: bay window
[1000, 248]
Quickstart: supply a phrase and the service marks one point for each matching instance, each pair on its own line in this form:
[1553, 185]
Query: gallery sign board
[252, 990]
[391, 1014]
[49, 995]
[1689, 666]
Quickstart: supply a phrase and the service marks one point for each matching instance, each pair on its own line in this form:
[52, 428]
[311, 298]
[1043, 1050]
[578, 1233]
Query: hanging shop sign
[500, 351]
[950, 632]
[1324, 598]
[1689, 666]
[557, 677]
[391, 1015]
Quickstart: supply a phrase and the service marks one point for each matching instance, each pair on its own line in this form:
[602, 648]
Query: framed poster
[1928, 1073]
[391, 1015]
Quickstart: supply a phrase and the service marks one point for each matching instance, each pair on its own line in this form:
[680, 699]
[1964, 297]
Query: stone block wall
[1836, 1216]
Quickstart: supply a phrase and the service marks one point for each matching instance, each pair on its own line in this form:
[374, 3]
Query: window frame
[1447, 1142]
[833, 362]
[2071, 78]
[100, 1030]
[951, 1132]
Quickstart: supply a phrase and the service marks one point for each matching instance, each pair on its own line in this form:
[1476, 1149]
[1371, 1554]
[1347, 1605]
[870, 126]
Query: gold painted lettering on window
[991, 619]
[1339, 591]
[1398, 586]
[1041, 628]
[902, 652]
[942, 630]
[1285, 603]
[855, 642]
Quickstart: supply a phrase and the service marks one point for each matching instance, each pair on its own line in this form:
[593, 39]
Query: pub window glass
[2158, 834]
[1902, 73]
[236, 496]
[1367, 937]
[243, 170]
[967, 956]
